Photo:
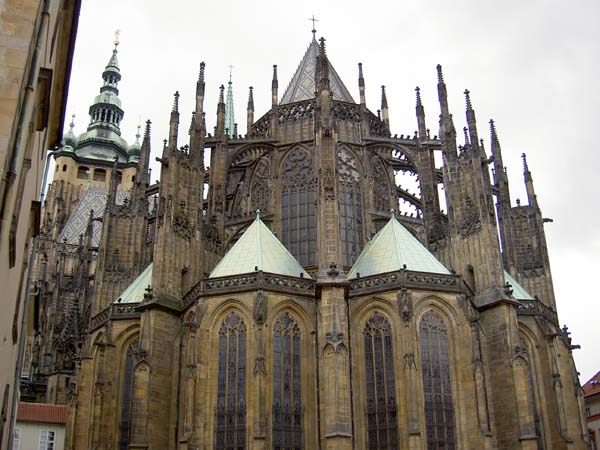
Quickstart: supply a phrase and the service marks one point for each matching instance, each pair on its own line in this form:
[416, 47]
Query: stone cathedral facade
[276, 299]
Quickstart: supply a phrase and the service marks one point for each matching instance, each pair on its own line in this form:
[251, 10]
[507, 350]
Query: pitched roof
[93, 198]
[41, 413]
[592, 387]
[258, 249]
[519, 291]
[392, 248]
[302, 86]
[135, 291]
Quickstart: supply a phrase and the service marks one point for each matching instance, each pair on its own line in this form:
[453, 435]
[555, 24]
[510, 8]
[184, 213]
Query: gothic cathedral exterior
[277, 299]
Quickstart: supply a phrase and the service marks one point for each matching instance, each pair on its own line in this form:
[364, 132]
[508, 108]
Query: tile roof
[135, 291]
[392, 248]
[592, 387]
[519, 291]
[41, 413]
[258, 249]
[302, 86]
[93, 198]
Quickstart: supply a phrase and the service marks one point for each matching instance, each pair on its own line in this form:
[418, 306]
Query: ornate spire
[420, 115]
[106, 110]
[384, 107]
[174, 122]
[229, 113]
[250, 110]
[361, 85]
[472, 123]
[274, 86]
[220, 128]
[531, 197]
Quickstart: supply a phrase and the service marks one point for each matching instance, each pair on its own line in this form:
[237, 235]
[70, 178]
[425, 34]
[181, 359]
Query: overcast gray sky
[530, 65]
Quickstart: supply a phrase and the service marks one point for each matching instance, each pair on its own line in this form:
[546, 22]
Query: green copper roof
[392, 248]
[135, 292]
[302, 86]
[519, 291]
[258, 249]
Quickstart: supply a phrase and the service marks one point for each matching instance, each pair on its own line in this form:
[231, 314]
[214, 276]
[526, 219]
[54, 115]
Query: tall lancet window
[350, 204]
[287, 401]
[298, 216]
[382, 411]
[230, 427]
[127, 396]
[439, 413]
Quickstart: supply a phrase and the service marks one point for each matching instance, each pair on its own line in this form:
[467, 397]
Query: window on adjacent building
[16, 439]
[439, 412]
[382, 410]
[99, 175]
[287, 401]
[230, 417]
[83, 172]
[46, 440]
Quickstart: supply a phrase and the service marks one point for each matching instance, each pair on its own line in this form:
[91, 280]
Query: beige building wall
[36, 46]
[29, 435]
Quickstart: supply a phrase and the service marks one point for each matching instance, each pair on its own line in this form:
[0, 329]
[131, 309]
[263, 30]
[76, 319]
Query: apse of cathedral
[277, 298]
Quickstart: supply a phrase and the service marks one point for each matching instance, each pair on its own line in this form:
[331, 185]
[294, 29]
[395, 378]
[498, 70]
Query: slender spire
[274, 86]
[229, 113]
[447, 130]
[142, 173]
[500, 178]
[220, 129]
[420, 115]
[200, 91]
[174, 122]
[322, 71]
[472, 124]
[114, 181]
[384, 107]
[531, 197]
[250, 110]
[361, 85]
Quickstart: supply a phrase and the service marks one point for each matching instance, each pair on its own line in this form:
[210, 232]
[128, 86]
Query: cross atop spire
[313, 20]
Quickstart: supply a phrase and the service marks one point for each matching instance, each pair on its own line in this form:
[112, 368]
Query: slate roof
[258, 249]
[41, 413]
[93, 198]
[392, 248]
[592, 387]
[302, 86]
[135, 291]
[519, 291]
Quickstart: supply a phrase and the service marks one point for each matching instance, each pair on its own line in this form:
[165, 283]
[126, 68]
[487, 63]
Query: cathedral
[291, 294]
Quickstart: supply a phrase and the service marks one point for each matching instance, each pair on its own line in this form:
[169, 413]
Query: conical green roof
[519, 291]
[258, 249]
[392, 248]
[135, 291]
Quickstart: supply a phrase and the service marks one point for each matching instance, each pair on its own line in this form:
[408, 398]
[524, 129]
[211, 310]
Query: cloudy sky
[531, 65]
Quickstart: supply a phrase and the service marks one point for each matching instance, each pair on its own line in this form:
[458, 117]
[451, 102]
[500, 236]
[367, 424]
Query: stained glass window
[382, 411]
[260, 192]
[230, 426]
[287, 401]
[537, 423]
[127, 396]
[298, 212]
[439, 413]
[350, 206]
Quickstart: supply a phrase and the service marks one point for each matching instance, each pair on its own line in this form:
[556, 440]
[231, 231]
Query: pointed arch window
[287, 400]
[127, 395]
[230, 424]
[537, 422]
[260, 192]
[298, 212]
[439, 412]
[350, 207]
[382, 411]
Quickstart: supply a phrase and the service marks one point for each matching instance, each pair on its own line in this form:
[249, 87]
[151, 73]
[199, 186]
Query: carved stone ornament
[405, 306]
[333, 271]
[259, 366]
[409, 361]
[328, 185]
[260, 308]
[334, 338]
[181, 223]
